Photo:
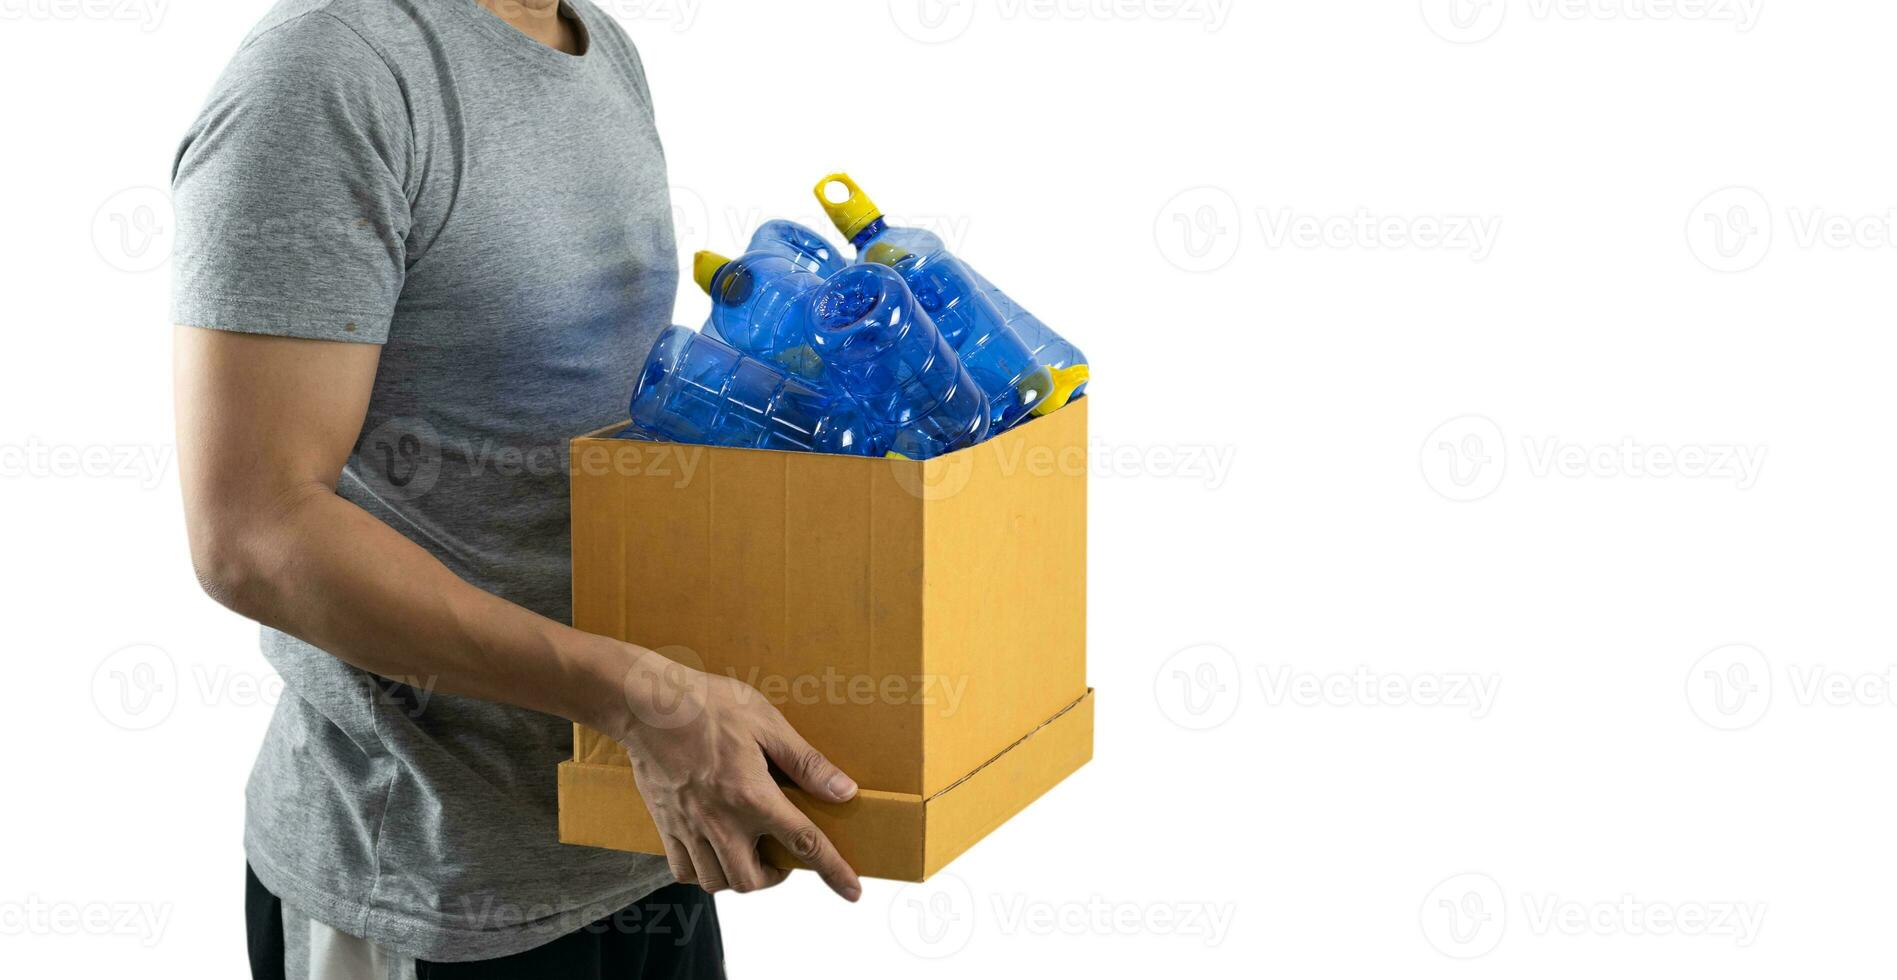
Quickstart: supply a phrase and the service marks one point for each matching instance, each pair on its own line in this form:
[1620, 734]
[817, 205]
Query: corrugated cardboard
[923, 623]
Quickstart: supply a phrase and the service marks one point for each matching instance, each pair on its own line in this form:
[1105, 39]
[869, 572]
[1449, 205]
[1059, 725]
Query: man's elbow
[230, 570]
[240, 555]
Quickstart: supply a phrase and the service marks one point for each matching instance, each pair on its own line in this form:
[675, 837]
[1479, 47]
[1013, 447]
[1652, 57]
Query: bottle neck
[871, 230]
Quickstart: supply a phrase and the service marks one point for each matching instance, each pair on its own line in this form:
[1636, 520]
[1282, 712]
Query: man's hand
[699, 745]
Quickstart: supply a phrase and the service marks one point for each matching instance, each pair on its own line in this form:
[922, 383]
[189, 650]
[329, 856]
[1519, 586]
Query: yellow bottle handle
[1065, 381]
[853, 213]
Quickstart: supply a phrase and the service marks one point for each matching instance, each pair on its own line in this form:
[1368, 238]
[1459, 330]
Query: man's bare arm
[265, 425]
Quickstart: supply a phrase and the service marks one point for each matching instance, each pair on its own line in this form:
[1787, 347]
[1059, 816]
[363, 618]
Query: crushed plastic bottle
[960, 303]
[876, 343]
[697, 389]
[760, 304]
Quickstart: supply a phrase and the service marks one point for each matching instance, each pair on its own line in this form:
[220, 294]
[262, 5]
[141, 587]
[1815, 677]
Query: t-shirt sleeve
[290, 190]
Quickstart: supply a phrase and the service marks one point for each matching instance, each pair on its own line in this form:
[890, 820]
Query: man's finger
[808, 844]
[680, 860]
[711, 874]
[807, 767]
[773, 875]
[744, 869]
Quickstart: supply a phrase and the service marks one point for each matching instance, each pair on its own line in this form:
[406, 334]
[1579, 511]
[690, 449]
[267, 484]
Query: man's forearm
[324, 570]
[265, 428]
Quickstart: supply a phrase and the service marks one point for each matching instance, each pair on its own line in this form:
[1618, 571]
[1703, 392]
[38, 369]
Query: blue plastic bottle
[760, 304]
[1057, 353]
[787, 239]
[790, 240]
[636, 434]
[700, 390]
[876, 343]
[959, 301]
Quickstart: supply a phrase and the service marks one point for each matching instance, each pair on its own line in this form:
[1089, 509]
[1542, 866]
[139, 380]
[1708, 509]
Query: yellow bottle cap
[705, 265]
[1065, 381]
[853, 213]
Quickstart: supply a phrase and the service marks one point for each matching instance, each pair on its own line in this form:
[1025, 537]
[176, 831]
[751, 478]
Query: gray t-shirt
[420, 175]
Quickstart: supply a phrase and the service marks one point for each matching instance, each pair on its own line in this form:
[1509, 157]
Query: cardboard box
[923, 623]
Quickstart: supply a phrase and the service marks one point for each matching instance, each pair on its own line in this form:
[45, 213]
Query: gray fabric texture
[420, 175]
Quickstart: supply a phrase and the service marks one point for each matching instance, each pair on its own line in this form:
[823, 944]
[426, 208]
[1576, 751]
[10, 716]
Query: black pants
[614, 947]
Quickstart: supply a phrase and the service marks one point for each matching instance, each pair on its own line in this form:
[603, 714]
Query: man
[421, 243]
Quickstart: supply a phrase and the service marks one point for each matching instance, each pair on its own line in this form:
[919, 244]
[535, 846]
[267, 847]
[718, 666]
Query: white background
[1623, 461]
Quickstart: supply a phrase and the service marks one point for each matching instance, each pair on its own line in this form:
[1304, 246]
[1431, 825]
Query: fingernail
[842, 787]
[852, 893]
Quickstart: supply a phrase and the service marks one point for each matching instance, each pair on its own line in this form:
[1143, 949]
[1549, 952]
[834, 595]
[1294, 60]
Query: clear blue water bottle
[954, 295]
[788, 239]
[809, 250]
[1057, 353]
[760, 304]
[700, 390]
[876, 343]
